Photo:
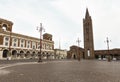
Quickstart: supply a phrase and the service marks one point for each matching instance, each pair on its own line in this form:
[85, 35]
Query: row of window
[28, 44]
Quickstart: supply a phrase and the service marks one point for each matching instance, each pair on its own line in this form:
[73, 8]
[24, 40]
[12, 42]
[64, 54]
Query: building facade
[75, 52]
[113, 53]
[60, 54]
[22, 46]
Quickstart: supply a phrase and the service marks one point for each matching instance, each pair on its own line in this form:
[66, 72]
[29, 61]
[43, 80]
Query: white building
[60, 54]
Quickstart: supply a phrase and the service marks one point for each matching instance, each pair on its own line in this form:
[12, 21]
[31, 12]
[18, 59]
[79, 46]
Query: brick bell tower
[88, 37]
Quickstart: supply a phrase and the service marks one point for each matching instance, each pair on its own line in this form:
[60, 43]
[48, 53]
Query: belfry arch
[5, 25]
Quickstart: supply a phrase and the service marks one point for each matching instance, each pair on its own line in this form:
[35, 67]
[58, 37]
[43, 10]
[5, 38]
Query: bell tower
[88, 37]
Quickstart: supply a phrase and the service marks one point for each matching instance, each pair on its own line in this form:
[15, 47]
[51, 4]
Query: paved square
[63, 71]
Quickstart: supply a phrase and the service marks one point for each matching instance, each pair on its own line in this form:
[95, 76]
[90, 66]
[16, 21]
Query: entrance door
[83, 55]
[14, 53]
[74, 56]
[5, 52]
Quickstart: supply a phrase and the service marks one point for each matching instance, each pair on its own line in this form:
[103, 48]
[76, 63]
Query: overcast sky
[64, 19]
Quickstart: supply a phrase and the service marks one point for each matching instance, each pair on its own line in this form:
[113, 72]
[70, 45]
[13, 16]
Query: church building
[88, 51]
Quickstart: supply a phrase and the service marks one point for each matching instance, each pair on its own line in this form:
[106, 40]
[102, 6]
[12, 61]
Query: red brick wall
[1, 39]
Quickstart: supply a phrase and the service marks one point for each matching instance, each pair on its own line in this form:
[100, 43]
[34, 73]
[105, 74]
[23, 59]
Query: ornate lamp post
[40, 29]
[9, 52]
[107, 40]
[78, 41]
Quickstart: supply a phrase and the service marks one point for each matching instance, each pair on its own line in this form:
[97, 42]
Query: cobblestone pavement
[62, 71]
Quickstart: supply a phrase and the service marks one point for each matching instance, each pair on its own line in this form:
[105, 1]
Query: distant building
[114, 53]
[23, 46]
[75, 52]
[60, 54]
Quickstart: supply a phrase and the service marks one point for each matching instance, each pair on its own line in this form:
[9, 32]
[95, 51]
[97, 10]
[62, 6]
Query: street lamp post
[9, 52]
[78, 41]
[107, 40]
[40, 29]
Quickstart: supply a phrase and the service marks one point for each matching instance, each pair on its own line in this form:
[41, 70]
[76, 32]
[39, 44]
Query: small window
[6, 39]
[14, 44]
[28, 42]
[38, 47]
[28, 46]
[88, 52]
[15, 40]
[6, 43]
[33, 47]
[21, 45]
[22, 41]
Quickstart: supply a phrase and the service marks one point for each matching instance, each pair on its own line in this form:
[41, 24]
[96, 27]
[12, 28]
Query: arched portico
[5, 53]
[27, 55]
[22, 55]
[14, 54]
[33, 54]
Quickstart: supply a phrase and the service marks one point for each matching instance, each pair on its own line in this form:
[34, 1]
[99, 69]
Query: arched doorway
[22, 54]
[14, 53]
[38, 53]
[5, 52]
[27, 55]
[74, 56]
[33, 54]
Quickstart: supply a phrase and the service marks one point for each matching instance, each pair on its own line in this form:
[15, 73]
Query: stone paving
[62, 71]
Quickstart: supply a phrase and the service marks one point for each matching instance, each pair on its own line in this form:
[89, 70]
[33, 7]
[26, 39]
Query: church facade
[22, 46]
[88, 51]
